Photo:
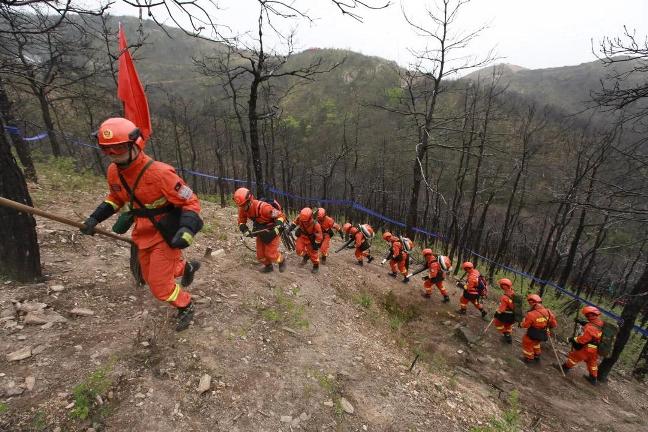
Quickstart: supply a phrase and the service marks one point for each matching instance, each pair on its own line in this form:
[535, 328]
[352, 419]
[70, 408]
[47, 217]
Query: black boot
[370, 258]
[406, 279]
[590, 379]
[315, 268]
[282, 265]
[323, 259]
[536, 359]
[360, 263]
[267, 268]
[507, 338]
[304, 260]
[461, 311]
[446, 299]
[484, 313]
[392, 274]
[185, 315]
[191, 267]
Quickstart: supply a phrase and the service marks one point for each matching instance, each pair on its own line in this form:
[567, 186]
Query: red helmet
[321, 213]
[387, 235]
[467, 265]
[505, 283]
[242, 196]
[534, 298]
[590, 310]
[427, 252]
[118, 130]
[346, 227]
[306, 215]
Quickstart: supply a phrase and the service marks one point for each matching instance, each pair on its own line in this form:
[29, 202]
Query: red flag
[130, 90]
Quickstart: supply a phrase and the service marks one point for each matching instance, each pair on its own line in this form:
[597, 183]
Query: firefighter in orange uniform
[538, 322]
[437, 266]
[585, 346]
[165, 211]
[267, 223]
[328, 231]
[398, 258]
[361, 235]
[309, 237]
[470, 292]
[504, 317]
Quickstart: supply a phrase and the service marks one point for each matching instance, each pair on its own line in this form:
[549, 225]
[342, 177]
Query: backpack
[366, 231]
[408, 244]
[608, 336]
[482, 286]
[273, 202]
[444, 263]
[518, 308]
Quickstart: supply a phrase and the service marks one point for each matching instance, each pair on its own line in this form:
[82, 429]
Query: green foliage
[510, 420]
[39, 422]
[85, 394]
[3, 408]
[399, 315]
[63, 174]
[364, 300]
[287, 311]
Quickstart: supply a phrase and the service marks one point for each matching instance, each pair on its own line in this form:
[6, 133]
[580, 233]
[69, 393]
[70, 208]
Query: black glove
[243, 228]
[182, 239]
[496, 315]
[89, 225]
[316, 245]
[580, 321]
[461, 285]
[298, 232]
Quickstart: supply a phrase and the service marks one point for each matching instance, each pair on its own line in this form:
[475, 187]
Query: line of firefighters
[165, 213]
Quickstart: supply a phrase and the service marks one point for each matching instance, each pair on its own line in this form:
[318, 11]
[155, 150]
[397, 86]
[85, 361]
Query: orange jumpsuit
[399, 257]
[435, 276]
[470, 294]
[588, 351]
[158, 187]
[504, 316]
[361, 244]
[328, 225]
[538, 321]
[310, 235]
[264, 215]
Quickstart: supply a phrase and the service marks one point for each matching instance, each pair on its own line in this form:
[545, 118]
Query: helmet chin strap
[131, 158]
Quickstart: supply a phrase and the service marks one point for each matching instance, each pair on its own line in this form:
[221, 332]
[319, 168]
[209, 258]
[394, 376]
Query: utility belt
[265, 236]
[328, 232]
[470, 296]
[365, 245]
[505, 317]
[538, 334]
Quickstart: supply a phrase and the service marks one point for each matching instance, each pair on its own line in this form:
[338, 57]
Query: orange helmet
[321, 213]
[427, 252]
[387, 235]
[467, 265]
[346, 227]
[306, 215]
[534, 298]
[590, 310]
[118, 130]
[242, 196]
[505, 283]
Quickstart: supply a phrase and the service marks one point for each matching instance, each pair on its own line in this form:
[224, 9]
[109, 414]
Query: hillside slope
[282, 350]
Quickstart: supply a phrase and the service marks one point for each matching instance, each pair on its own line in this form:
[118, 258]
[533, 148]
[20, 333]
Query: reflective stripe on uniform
[157, 203]
[112, 204]
[174, 295]
[592, 346]
[570, 362]
[527, 353]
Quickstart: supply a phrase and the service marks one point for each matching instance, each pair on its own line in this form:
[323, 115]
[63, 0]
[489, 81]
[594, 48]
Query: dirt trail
[287, 351]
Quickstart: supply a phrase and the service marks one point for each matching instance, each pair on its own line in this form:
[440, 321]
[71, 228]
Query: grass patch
[332, 388]
[399, 315]
[363, 299]
[509, 422]
[85, 394]
[287, 311]
[38, 422]
[3, 408]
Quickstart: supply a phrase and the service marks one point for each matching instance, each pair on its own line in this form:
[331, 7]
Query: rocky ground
[88, 350]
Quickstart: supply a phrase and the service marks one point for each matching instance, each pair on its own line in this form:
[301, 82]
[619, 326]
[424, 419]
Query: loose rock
[82, 312]
[21, 354]
[205, 383]
[346, 406]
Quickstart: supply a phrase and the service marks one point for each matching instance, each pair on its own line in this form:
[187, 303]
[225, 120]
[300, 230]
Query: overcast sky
[529, 33]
